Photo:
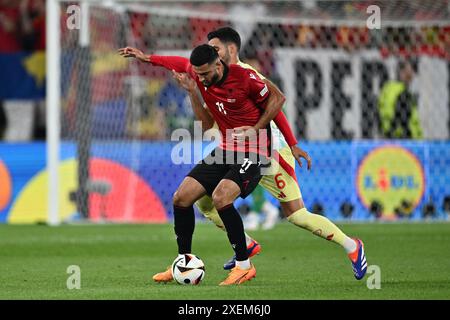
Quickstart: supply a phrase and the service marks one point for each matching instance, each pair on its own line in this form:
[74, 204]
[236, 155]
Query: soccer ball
[188, 269]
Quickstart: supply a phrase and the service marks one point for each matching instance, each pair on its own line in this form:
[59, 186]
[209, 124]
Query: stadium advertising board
[333, 93]
[397, 174]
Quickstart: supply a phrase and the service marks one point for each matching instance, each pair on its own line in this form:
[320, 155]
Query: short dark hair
[202, 54]
[226, 34]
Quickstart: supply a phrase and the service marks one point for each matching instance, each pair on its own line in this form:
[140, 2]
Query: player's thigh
[246, 177]
[208, 175]
[225, 193]
[189, 191]
[282, 184]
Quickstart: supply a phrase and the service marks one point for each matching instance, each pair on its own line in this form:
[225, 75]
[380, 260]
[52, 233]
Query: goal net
[332, 60]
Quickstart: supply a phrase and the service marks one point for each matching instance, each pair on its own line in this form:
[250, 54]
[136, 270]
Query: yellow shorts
[282, 184]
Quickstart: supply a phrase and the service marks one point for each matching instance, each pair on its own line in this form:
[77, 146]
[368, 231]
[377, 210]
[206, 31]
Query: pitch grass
[118, 261]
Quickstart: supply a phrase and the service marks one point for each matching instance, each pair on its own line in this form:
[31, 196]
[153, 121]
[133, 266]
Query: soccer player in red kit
[241, 104]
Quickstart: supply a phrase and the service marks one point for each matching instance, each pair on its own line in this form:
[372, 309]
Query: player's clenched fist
[130, 52]
[185, 81]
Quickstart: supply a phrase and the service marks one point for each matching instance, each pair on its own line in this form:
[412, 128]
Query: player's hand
[298, 154]
[244, 133]
[130, 52]
[185, 81]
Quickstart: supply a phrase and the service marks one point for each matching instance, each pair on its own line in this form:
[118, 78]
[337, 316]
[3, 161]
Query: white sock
[248, 239]
[349, 245]
[243, 264]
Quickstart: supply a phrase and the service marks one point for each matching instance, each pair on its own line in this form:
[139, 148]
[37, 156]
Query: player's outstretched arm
[130, 52]
[179, 64]
[268, 99]
[280, 119]
[202, 114]
[274, 105]
[298, 153]
[285, 129]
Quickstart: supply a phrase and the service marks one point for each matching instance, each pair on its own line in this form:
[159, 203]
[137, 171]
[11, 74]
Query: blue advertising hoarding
[360, 172]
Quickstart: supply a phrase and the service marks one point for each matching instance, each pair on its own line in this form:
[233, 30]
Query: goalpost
[81, 21]
[53, 108]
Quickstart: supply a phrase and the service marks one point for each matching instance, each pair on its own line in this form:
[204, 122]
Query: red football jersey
[238, 99]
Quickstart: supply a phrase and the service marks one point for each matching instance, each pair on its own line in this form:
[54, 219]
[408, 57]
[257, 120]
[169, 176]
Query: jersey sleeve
[285, 129]
[247, 66]
[179, 64]
[257, 89]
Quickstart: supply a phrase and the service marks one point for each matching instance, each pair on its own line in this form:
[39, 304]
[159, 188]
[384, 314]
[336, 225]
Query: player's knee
[176, 198]
[179, 200]
[220, 199]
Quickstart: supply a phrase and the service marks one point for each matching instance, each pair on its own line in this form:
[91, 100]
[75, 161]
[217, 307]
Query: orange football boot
[238, 276]
[165, 276]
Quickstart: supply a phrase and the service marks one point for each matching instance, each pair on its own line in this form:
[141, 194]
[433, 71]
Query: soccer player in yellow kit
[283, 183]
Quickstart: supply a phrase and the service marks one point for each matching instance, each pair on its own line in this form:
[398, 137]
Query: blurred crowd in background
[165, 33]
[22, 31]
[22, 25]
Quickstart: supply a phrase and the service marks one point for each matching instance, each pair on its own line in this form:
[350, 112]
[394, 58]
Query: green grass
[118, 261]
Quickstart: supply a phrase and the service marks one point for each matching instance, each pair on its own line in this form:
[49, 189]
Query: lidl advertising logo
[390, 175]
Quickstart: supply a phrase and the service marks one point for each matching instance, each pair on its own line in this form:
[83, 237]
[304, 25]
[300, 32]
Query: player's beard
[214, 79]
